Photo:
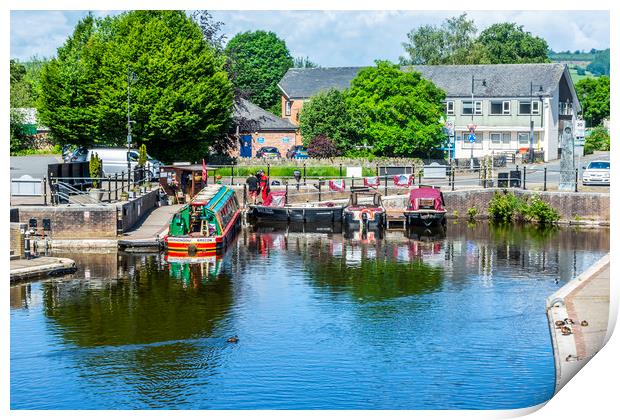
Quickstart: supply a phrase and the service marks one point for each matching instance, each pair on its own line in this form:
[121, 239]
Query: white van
[114, 160]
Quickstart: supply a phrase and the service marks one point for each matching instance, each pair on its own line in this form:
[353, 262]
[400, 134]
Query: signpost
[449, 126]
[472, 139]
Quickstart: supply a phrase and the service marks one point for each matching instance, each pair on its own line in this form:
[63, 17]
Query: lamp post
[473, 110]
[540, 90]
[131, 76]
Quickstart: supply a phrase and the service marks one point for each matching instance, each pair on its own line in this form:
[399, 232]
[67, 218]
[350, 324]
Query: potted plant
[142, 158]
[94, 166]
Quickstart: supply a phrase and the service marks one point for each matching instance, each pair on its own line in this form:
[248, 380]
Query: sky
[334, 38]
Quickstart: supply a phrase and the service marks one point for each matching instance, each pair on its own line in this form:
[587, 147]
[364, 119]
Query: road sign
[472, 127]
[471, 138]
[260, 140]
[580, 128]
[449, 125]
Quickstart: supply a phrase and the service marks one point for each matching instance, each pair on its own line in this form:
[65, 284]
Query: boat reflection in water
[200, 268]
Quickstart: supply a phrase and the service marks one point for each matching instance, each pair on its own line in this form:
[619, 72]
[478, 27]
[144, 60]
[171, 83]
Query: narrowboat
[208, 223]
[276, 209]
[364, 210]
[425, 207]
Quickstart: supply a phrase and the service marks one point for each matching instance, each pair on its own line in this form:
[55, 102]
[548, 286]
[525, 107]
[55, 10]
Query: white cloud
[334, 38]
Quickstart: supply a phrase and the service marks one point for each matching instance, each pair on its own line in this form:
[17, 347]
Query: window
[524, 139]
[287, 108]
[506, 108]
[535, 107]
[496, 138]
[497, 107]
[467, 108]
[450, 108]
[501, 140]
[506, 138]
[524, 107]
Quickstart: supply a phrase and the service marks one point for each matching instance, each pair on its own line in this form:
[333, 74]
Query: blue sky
[334, 38]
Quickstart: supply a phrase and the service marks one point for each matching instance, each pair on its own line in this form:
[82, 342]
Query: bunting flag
[204, 171]
[403, 180]
[336, 185]
[371, 181]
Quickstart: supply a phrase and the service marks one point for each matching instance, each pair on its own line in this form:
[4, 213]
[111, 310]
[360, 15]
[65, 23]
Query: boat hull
[355, 219]
[190, 245]
[297, 214]
[425, 218]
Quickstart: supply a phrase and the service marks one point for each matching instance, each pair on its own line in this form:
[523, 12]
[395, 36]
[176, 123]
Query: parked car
[596, 173]
[297, 152]
[268, 153]
[114, 160]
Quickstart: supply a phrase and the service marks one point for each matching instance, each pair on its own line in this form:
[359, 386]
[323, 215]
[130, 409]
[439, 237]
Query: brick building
[501, 100]
[256, 128]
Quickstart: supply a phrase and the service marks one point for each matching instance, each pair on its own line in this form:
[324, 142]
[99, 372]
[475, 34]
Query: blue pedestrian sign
[471, 138]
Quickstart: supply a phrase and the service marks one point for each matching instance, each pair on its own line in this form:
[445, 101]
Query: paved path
[40, 267]
[150, 229]
[585, 301]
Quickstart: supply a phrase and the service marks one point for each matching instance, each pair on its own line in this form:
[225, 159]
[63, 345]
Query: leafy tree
[507, 43]
[600, 65]
[322, 147]
[597, 139]
[327, 113]
[259, 59]
[399, 112]
[304, 63]
[593, 95]
[454, 42]
[210, 28]
[181, 99]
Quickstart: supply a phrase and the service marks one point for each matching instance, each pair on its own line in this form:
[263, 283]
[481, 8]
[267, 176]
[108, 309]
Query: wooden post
[122, 182]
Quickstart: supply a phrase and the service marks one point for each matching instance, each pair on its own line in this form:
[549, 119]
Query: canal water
[417, 320]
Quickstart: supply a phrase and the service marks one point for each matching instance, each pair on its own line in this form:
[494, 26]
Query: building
[498, 101]
[255, 128]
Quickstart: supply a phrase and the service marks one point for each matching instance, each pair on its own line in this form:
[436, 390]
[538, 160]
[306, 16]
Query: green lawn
[287, 171]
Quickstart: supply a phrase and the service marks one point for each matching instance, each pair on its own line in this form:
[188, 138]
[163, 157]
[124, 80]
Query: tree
[600, 65]
[259, 59]
[327, 114]
[210, 28]
[593, 94]
[507, 43]
[454, 42]
[399, 112]
[597, 139]
[181, 99]
[322, 147]
[304, 63]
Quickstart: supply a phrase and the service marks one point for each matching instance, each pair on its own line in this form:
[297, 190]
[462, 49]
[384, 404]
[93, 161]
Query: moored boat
[208, 223]
[425, 207]
[364, 210]
[276, 209]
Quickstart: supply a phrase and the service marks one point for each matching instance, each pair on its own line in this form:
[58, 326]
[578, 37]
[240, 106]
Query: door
[245, 147]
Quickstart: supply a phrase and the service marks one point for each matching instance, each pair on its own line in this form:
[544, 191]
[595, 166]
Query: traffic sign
[472, 127]
[580, 128]
[449, 125]
[471, 138]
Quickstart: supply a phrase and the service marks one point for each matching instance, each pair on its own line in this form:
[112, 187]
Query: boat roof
[210, 194]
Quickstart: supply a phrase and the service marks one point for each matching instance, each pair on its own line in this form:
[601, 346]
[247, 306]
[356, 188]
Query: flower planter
[96, 194]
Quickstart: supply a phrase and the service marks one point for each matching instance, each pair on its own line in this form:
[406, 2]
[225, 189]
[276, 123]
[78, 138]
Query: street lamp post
[540, 89]
[131, 76]
[473, 110]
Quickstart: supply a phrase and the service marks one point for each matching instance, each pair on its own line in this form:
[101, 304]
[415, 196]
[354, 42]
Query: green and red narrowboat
[208, 223]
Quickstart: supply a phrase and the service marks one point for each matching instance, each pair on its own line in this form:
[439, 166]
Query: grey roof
[251, 117]
[303, 83]
[502, 80]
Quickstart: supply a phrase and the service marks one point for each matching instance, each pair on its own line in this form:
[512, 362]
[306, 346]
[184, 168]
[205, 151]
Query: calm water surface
[324, 321]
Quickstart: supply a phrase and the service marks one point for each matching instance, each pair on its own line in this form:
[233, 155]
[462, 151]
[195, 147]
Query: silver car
[596, 173]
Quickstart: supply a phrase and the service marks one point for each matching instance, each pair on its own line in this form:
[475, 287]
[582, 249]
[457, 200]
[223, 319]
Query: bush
[597, 139]
[142, 155]
[505, 207]
[94, 166]
[539, 211]
[322, 147]
[472, 212]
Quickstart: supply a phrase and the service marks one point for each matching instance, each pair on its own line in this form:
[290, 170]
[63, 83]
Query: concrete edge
[83, 244]
[25, 273]
[564, 346]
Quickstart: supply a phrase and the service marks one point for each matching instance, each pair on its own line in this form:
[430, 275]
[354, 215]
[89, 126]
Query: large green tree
[259, 59]
[326, 113]
[600, 64]
[399, 112]
[593, 95]
[181, 98]
[507, 43]
[453, 42]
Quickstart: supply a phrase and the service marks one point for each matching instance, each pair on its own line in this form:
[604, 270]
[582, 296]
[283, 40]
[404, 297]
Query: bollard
[304, 174]
[319, 189]
[116, 186]
[413, 174]
[341, 170]
[453, 174]
[377, 169]
[122, 182]
[268, 167]
[545, 180]
[27, 245]
[232, 174]
[45, 191]
[524, 172]
[245, 195]
[576, 179]
[109, 188]
[286, 191]
[385, 183]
